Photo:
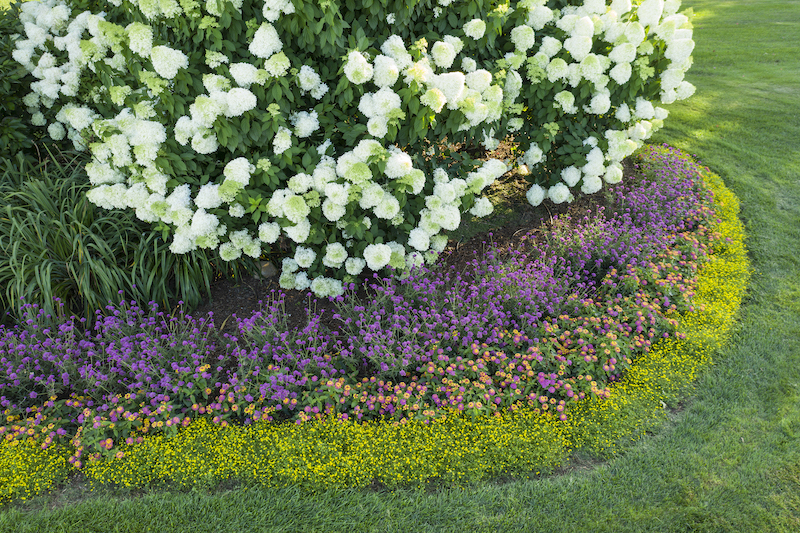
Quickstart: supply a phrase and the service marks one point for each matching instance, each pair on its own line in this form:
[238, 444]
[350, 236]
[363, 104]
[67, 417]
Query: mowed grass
[728, 460]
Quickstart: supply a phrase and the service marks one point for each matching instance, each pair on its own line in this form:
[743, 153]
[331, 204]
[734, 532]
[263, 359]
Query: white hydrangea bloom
[244, 74]
[239, 101]
[108, 196]
[621, 6]
[208, 196]
[475, 28]
[265, 41]
[434, 98]
[185, 128]
[337, 193]
[289, 265]
[203, 223]
[167, 62]
[591, 184]
[649, 12]
[468, 64]
[371, 196]
[295, 208]
[286, 280]
[357, 69]
[445, 191]
[398, 165]
[535, 195]
[79, 118]
[319, 91]
[274, 8]
[229, 252]
[613, 173]
[301, 281]
[565, 100]
[140, 38]
[102, 173]
[333, 211]
[533, 156]
[269, 232]
[239, 170]
[635, 33]
[378, 126]
[305, 123]
[56, 131]
[557, 69]
[483, 207]
[578, 46]
[621, 73]
[388, 208]
[323, 287]
[205, 142]
[583, 27]
[571, 175]
[385, 101]
[679, 50]
[419, 239]
[282, 140]
[559, 193]
[395, 48]
[307, 78]
[335, 255]
[479, 80]
[452, 85]
[443, 54]
[619, 145]
[539, 17]
[595, 162]
[204, 111]
[354, 265]
[523, 38]
[300, 183]
[377, 256]
[386, 71]
[600, 103]
[420, 72]
[299, 232]
[304, 257]
[38, 119]
[684, 90]
[277, 65]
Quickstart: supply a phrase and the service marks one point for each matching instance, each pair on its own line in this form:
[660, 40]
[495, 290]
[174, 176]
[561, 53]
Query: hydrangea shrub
[327, 126]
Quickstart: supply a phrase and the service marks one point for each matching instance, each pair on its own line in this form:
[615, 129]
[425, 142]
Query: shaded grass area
[729, 458]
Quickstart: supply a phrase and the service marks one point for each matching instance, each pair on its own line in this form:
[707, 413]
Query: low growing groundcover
[575, 339]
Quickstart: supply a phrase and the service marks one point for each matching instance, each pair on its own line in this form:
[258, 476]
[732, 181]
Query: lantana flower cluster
[316, 141]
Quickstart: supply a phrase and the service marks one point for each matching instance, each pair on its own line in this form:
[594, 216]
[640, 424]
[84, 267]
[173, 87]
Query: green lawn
[729, 460]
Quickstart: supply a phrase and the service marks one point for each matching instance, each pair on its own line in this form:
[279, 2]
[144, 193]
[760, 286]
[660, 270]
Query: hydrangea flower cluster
[314, 129]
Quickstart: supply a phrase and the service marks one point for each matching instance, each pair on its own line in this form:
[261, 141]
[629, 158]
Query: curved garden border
[335, 453]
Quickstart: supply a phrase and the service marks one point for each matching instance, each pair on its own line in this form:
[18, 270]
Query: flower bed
[573, 341]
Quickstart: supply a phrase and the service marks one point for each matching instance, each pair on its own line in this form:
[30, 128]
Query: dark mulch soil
[241, 298]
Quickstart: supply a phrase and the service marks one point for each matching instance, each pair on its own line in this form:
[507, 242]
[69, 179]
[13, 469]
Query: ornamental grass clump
[54, 243]
[324, 130]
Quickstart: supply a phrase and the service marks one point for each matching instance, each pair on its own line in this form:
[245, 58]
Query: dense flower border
[331, 452]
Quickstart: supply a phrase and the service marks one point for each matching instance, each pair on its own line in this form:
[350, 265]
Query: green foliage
[55, 244]
[15, 132]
